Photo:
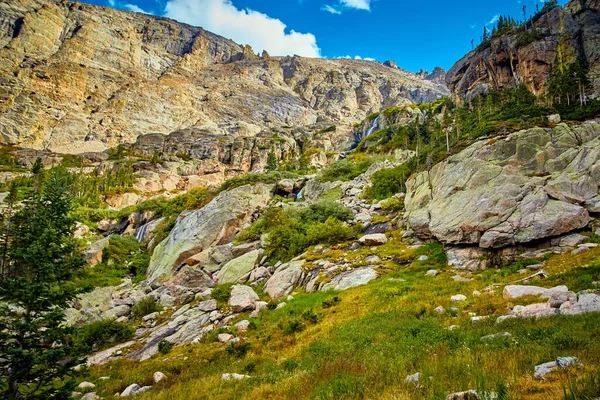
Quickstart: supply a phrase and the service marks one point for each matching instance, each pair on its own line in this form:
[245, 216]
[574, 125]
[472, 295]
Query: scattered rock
[560, 363]
[458, 297]
[93, 254]
[134, 389]
[496, 336]
[242, 325]
[375, 239]
[158, 376]
[90, 396]
[207, 306]
[86, 385]
[224, 337]
[588, 302]
[414, 378]
[235, 377]
[432, 272]
[350, 279]
[468, 395]
[283, 280]
[503, 318]
[439, 310]
[235, 269]
[423, 258]
[242, 298]
[516, 291]
[535, 310]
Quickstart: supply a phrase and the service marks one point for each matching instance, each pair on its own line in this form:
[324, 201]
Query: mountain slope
[526, 53]
[76, 77]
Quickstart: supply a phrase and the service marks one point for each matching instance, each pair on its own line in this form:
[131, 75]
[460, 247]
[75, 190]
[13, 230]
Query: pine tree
[271, 161]
[36, 356]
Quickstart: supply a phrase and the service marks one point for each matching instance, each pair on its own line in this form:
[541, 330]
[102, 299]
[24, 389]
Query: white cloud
[494, 20]
[346, 4]
[111, 3]
[243, 26]
[330, 9]
[358, 4]
[134, 8]
[358, 58]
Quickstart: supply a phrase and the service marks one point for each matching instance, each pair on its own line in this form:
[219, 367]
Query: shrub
[392, 205]
[331, 231]
[310, 316]
[239, 349]
[101, 334]
[146, 306]
[334, 301]
[221, 293]
[286, 241]
[290, 365]
[323, 210]
[346, 170]
[387, 182]
[271, 218]
[293, 326]
[165, 347]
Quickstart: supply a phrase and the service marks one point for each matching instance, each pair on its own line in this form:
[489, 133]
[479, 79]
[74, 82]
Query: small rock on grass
[458, 297]
[235, 377]
[414, 378]
[86, 385]
[158, 376]
[560, 363]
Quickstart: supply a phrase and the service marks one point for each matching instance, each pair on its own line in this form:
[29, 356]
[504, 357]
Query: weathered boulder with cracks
[532, 185]
[215, 224]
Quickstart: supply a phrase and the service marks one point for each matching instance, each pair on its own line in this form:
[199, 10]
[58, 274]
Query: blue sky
[416, 34]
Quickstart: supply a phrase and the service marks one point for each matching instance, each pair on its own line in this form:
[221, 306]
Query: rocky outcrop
[531, 185]
[75, 77]
[517, 57]
[215, 224]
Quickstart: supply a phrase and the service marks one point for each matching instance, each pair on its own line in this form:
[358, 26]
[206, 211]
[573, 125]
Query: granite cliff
[78, 78]
[527, 52]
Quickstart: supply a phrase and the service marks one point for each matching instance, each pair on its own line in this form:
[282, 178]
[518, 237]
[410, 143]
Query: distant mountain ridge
[77, 78]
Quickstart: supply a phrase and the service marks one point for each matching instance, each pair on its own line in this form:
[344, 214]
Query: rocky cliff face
[530, 186]
[574, 31]
[77, 78]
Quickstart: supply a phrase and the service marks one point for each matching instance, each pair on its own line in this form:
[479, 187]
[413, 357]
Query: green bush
[147, 305]
[347, 169]
[322, 211]
[165, 347]
[293, 326]
[98, 335]
[286, 241]
[331, 231]
[387, 182]
[239, 349]
[271, 218]
[222, 293]
[333, 301]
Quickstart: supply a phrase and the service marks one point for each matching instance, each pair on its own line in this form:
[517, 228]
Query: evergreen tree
[271, 161]
[36, 356]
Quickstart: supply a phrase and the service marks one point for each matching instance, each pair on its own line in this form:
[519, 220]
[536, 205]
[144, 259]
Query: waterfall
[141, 232]
[373, 127]
[299, 195]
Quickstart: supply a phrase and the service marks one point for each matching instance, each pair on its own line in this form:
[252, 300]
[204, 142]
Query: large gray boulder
[215, 224]
[350, 279]
[284, 279]
[534, 184]
[235, 269]
[242, 298]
